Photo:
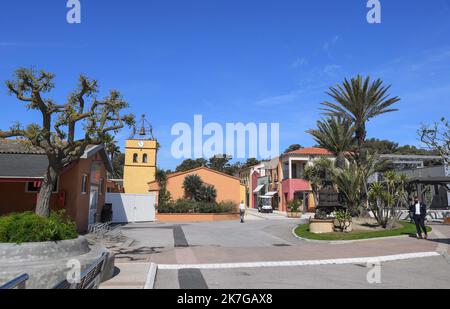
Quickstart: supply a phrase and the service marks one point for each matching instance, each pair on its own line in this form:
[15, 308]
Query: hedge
[184, 206]
[28, 227]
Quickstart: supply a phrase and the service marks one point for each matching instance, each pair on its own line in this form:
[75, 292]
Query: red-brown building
[81, 187]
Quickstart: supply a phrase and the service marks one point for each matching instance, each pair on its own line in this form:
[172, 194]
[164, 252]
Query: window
[84, 184]
[145, 158]
[35, 186]
[102, 189]
[436, 190]
[294, 170]
[135, 158]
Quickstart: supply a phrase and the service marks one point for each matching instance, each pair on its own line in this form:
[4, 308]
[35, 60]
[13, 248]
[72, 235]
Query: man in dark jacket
[418, 211]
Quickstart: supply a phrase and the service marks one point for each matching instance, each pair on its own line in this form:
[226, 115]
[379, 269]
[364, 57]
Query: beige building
[228, 187]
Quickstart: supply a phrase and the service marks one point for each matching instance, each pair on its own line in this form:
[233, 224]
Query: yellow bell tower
[140, 161]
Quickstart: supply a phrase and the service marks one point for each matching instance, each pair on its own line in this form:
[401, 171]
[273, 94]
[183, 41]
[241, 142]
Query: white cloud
[299, 62]
[277, 100]
[331, 69]
[328, 44]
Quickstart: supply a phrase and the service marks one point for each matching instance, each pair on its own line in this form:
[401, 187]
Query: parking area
[256, 232]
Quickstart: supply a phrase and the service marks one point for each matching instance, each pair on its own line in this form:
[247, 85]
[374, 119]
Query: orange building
[228, 187]
[80, 189]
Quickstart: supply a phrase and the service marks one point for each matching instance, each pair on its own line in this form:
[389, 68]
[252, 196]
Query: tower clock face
[141, 144]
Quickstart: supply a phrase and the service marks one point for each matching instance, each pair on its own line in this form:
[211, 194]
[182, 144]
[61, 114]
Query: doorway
[93, 205]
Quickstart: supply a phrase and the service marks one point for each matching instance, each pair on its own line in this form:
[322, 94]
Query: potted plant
[447, 218]
[322, 223]
[293, 209]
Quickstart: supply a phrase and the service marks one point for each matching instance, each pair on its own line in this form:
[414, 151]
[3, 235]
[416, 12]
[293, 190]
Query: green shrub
[227, 207]
[344, 219]
[28, 227]
[184, 206]
[294, 205]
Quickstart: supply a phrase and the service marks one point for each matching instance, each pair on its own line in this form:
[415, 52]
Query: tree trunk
[360, 135]
[45, 193]
[340, 160]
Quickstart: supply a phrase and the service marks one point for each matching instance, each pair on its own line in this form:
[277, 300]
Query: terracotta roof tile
[312, 151]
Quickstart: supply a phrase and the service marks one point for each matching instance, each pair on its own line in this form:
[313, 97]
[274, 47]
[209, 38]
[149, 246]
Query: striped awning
[258, 188]
[271, 193]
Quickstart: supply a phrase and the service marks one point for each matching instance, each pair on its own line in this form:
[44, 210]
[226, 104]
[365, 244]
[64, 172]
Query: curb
[343, 242]
[151, 276]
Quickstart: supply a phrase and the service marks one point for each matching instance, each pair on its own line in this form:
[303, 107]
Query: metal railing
[18, 283]
[90, 278]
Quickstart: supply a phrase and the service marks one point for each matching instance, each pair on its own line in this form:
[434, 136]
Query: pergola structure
[421, 184]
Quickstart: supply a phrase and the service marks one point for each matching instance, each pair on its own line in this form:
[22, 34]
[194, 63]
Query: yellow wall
[243, 195]
[137, 175]
[311, 202]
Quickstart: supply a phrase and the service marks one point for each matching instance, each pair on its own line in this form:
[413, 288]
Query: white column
[290, 168]
[447, 174]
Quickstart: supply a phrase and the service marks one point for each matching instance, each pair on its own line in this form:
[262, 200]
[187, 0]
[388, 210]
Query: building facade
[140, 165]
[228, 188]
[80, 190]
[249, 179]
[281, 179]
[294, 186]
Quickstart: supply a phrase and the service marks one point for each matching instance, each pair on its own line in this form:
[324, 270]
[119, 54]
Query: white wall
[129, 208]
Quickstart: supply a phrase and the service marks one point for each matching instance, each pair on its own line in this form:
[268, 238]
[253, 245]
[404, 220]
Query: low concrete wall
[17, 253]
[46, 262]
[321, 226]
[196, 217]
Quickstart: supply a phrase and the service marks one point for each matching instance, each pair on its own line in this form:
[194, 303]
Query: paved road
[428, 273]
[266, 238]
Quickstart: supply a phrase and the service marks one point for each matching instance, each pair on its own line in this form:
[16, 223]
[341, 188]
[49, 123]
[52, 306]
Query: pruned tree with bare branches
[437, 138]
[57, 135]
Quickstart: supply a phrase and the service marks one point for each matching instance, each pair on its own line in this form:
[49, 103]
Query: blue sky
[231, 61]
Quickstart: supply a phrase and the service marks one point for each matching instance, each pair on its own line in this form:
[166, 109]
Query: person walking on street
[418, 211]
[242, 211]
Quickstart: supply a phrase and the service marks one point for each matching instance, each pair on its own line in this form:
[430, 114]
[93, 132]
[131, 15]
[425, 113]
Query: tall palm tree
[359, 100]
[336, 135]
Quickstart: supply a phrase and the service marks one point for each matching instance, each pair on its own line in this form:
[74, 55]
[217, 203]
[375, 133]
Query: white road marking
[151, 275]
[361, 260]
[442, 247]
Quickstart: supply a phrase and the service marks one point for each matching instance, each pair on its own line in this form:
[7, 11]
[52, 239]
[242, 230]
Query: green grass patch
[406, 228]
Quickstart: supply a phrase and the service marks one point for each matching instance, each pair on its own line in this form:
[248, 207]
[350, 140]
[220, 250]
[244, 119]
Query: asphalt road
[425, 273]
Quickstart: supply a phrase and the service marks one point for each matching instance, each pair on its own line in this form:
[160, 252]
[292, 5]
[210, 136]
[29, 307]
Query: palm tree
[336, 135]
[360, 100]
[387, 197]
[348, 180]
[192, 185]
[208, 194]
[368, 167]
[111, 147]
[316, 174]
